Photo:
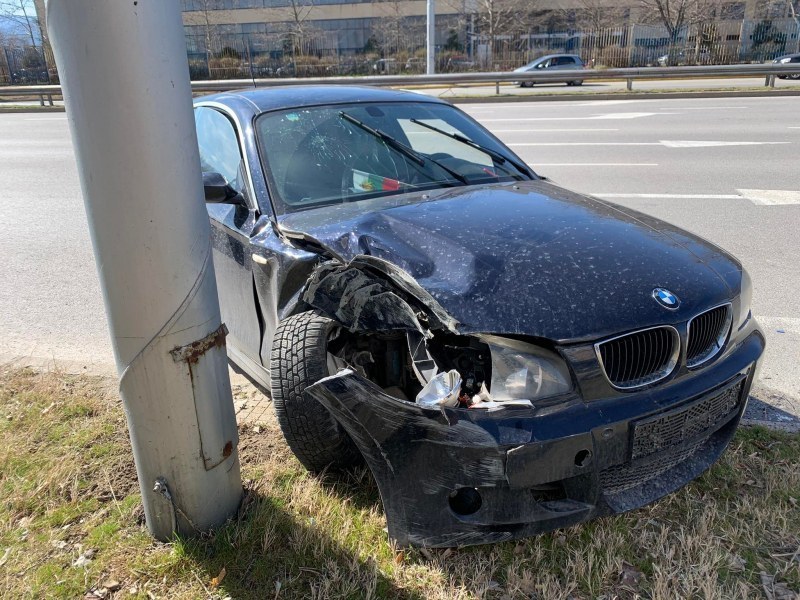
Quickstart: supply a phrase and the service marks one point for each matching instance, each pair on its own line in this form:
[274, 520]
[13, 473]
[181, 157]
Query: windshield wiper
[464, 140]
[400, 146]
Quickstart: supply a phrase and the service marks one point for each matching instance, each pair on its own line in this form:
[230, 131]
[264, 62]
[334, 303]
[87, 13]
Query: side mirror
[217, 190]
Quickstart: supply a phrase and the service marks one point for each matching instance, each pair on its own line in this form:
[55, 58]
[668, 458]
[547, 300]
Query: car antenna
[250, 62]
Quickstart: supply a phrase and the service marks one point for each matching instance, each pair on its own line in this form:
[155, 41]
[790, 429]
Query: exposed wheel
[526, 84]
[578, 82]
[300, 359]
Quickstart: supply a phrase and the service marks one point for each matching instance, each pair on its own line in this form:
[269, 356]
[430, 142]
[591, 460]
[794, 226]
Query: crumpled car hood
[531, 258]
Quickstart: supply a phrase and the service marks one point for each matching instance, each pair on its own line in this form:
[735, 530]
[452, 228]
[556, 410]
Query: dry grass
[67, 486]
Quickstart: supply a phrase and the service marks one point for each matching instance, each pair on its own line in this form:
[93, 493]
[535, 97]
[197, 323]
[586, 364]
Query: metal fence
[768, 71]
[280, 52]
[319, 53]
[26, 65]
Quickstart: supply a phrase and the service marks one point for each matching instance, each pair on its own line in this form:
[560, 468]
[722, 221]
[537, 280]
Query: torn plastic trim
[304, 241]
[372, 294]
[422, 363]
[422, 457]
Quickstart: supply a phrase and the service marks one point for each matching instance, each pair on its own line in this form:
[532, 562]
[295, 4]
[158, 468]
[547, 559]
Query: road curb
[772, 426]
[30, 109]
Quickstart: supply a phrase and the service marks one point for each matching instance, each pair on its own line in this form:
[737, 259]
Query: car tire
[300, 359]
[526, 84]
[578, 82]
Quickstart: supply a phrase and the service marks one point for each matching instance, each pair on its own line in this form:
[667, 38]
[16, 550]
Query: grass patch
[71, 523]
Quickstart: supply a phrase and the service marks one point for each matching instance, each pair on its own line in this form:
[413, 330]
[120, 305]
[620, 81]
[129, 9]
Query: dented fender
[457, 477]
[372, 294]
[421, 457]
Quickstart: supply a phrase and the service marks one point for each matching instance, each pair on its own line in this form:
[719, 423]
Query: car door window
[219, 145]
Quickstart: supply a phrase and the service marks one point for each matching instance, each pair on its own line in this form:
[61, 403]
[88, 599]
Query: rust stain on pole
[191, 353]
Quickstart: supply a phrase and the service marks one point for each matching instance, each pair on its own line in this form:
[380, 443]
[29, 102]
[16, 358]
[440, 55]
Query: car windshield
[321, 155]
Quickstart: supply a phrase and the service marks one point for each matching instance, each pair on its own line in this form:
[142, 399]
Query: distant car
[684, 58]
[386, 65]
[416, 64]
[459, 63]
[679, 58]
[508, 357]
[553, 62]
[789, 58]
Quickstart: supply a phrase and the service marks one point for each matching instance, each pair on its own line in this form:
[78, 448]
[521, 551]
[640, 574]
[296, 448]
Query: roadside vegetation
[71, 524]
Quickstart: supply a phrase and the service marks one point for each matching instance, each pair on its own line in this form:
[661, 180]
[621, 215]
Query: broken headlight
[522, 371]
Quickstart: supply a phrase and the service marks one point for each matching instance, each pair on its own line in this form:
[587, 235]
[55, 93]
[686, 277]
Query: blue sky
[11, 28]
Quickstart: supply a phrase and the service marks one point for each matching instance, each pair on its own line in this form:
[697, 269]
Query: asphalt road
[726, 169]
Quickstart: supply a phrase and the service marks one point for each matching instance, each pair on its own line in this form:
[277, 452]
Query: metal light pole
[126, 88]
[431, 38]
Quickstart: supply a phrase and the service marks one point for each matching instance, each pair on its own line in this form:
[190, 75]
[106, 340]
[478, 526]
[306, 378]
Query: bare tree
[391, 28]
[597, 15]
[676, 15]
[209, 28]
[299, 29]
[794, 12]
[19, 12]
[790, 7]
[503, 19]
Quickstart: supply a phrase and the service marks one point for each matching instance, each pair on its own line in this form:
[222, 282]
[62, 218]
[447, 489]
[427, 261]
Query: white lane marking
[632, 115]
[585, 129]
[538, 164]
[709, 143]
[705, 108]
[606, 102]
[758, 197]
[772, 197]
[45, 118]
[519, 144]
[666, 143]
[672, 196]
[610, 116]
[794, 127]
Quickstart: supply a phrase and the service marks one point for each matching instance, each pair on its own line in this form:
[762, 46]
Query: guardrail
[770, 71]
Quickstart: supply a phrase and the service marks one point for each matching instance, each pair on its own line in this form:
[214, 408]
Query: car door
[545, 64]
[231, 228]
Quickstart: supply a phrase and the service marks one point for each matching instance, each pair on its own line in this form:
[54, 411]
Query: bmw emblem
[666, 298]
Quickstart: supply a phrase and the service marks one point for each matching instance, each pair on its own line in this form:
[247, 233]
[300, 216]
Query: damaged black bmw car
[506, 356]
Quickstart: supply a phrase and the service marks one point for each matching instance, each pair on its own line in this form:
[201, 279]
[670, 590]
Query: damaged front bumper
[456, 477]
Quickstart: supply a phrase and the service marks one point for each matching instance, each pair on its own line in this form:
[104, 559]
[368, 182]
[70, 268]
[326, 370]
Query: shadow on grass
[356, 485]
[269, 553]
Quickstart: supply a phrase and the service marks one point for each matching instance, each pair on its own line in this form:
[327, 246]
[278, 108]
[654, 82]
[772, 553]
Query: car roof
[258, 100]
[546, 56]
